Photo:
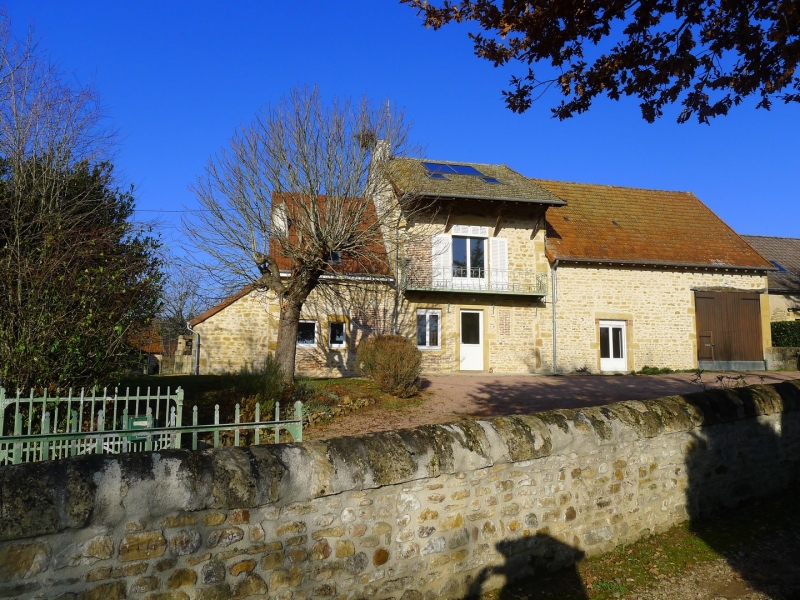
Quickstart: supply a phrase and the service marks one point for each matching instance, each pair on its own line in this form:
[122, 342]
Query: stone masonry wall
[425, 513]
[657, 304]
[236, 337]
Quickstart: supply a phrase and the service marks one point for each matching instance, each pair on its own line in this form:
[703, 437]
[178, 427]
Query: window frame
[468, 256]
[306, 345]
[331, 345]
[428, 312]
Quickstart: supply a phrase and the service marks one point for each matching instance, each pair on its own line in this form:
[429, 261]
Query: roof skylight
[438, 171]
[781, 268]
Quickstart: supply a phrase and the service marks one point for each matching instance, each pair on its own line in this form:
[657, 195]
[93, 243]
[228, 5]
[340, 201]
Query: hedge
[786, 334]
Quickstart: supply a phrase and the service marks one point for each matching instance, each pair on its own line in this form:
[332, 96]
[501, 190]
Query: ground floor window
[307, 334]
[428, 329]
[613, 355]
[336, 337]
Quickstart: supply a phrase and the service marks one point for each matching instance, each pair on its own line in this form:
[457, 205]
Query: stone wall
[236, 337]
[656, 304]
[783, 359]
[426, 513]
[784, 307]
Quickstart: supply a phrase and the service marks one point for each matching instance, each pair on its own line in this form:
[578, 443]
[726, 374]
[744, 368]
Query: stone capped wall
[431, 512]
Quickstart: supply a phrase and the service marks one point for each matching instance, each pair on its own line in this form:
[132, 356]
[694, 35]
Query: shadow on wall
[728, 463]
[722, 475]
[530, 558]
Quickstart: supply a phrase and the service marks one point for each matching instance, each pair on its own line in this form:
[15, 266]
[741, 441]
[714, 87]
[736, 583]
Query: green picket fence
[50, 428]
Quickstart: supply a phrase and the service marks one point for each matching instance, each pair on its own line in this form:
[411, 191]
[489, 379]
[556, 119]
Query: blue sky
[178, 77]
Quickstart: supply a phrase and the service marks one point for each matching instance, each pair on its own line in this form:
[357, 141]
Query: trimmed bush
[392, 362]
[786, 334]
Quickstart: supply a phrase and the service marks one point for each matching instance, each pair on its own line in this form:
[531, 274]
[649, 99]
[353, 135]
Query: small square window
[335, 257]
[428, 329]
[307, 334]
[336, 336]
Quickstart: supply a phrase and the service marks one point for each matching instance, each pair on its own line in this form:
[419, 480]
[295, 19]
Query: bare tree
[77, 277]
[291, 203]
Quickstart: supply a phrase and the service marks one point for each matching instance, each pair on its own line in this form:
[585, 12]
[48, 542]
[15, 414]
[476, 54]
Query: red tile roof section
[609, 223]
[375, 262]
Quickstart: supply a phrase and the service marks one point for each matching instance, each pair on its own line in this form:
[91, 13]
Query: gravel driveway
[449, 398]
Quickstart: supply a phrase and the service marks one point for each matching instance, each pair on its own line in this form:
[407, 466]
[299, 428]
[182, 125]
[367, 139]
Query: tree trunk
[287, 337]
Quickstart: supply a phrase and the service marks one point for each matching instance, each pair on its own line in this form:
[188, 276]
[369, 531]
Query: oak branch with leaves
[707, 55]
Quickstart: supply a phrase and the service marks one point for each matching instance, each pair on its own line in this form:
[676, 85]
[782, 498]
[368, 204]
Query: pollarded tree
[77, 277]
[709, 55]
[289, 205]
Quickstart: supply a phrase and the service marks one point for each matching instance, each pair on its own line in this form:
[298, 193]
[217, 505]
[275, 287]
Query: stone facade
[427, 513]
[657, 306]
[655, 303]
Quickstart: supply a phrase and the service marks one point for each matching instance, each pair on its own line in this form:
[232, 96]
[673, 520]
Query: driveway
[448, 398]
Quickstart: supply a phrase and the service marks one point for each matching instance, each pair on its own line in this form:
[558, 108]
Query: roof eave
[495, 198]
[657, 263]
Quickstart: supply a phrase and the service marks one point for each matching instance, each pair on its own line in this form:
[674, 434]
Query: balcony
[478, 281]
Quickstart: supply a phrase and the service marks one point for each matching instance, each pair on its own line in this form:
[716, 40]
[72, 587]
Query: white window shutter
[498, 261]
[441, 261]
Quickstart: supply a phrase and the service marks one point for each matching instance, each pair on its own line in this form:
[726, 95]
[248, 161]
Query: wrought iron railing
[50, 428]
[496, 281]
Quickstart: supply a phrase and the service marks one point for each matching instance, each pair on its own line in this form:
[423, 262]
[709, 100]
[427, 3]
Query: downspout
[555, 296]
[196, 352]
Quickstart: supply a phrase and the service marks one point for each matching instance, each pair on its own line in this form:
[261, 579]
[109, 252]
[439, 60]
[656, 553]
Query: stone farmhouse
[506, 274]
[784, 282]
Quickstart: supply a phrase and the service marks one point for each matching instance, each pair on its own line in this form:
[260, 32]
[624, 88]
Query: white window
[307, 334]
[336, 336]
[428, 331]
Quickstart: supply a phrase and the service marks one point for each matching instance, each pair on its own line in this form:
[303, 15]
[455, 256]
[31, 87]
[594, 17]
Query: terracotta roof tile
[373, 262]
[602, 222]
[786, 253]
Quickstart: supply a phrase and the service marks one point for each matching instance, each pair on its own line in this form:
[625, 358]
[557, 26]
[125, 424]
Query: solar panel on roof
[465, 170]
[438, 167]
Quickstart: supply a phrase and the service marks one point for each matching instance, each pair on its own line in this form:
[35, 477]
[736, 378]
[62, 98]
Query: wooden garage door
[728, 326]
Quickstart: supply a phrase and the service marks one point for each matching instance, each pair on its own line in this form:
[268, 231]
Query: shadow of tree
[532, 558]
[499, 395]
[731, 464]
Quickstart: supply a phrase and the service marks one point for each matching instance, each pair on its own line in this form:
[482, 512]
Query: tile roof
[374, 260]
[630, 225]
[409, 175]
[784, 251]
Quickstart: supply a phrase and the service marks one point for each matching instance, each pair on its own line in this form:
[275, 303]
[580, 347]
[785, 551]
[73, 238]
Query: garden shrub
[392, 362]
[786, 334]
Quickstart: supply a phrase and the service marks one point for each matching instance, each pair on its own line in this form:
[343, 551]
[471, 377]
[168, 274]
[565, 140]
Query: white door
[471, 347]
[613, 353]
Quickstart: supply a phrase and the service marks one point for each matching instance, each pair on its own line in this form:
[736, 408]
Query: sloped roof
[410, 175]
[376, 263]
[631, 225]
[373, 262]
[222, 305]
[786, 253]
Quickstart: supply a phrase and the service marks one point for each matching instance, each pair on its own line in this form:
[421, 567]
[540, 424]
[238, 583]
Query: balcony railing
[485, 281]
